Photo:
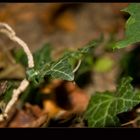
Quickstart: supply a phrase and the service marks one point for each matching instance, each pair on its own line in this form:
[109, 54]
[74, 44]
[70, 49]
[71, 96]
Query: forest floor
[65, 26]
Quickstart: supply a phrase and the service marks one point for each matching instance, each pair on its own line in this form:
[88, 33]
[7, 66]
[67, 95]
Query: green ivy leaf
[132, 26]
[61, 68]
[103, 107]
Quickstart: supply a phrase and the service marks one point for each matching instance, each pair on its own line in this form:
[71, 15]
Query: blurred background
[64, 25]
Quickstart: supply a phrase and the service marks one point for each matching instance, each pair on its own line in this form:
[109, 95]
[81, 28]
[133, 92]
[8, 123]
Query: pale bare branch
[9, 32]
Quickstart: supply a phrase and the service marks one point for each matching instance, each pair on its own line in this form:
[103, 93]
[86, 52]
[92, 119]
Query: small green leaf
[132, 32]
[42, 59]
[20, 56]
[103, 107]
[43, 56]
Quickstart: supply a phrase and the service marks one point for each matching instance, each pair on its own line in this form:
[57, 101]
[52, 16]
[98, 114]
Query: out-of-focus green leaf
[132, 33]
[103, 64]
[43, 56]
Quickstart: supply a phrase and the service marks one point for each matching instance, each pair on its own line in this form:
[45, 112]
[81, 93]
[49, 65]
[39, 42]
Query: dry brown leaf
[21, 119]
[30, 116]
[66, 99]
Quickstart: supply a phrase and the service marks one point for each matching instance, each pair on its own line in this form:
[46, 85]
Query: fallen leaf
[65, 99]
[30, 116]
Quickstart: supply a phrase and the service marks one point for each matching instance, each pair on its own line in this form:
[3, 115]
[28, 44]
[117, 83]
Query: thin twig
[9, 32]
[132, 122]
[128, 123]
[77, 67]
